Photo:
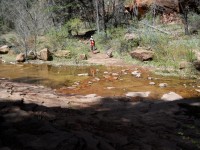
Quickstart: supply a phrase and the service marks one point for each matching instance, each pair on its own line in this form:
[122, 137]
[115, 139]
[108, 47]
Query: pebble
[76, 83]
[134, 72]
[89, 82]
[71, 87]
[152, 83]
[162, 85]
[83, 74]
[109, 88]
[97, 79]
[138, 75]
[115, 74]
[150, 78]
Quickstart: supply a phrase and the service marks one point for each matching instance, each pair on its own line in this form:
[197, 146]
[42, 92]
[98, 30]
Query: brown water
[66, 80]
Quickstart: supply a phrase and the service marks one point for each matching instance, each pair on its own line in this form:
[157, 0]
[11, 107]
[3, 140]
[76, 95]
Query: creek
[99, 80]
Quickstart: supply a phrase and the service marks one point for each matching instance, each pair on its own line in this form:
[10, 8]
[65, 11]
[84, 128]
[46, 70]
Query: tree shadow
[112, 123]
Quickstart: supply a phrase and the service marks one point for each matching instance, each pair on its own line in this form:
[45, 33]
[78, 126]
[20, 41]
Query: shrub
[74, 25]
[57, 37]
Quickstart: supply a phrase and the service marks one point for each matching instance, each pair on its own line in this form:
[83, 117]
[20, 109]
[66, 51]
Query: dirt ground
[103, 59]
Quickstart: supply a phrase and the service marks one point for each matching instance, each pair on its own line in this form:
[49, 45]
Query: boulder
[171, 96]
[184, 65]
[4, 49]
[142, 54]
[44, 54]
[20, 57]
[62, 53]
[109, 53]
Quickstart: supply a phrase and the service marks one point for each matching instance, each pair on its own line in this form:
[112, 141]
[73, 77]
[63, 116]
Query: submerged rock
[162, 85]
[138, 94]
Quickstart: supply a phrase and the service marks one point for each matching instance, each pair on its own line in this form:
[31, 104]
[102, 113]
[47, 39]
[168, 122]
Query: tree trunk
[97, 15]
[186, 22]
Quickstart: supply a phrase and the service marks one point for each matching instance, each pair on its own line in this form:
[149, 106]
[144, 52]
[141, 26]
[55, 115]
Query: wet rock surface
[34, 117]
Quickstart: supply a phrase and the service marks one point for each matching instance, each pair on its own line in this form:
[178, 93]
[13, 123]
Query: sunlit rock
[44, 54]
[20, 57]
[152, 83]
[142, 54]
[110, 88]
[171, 96]
[83, 74]
[184, 65]
[162, 85]
[4, 49]
[138, 94]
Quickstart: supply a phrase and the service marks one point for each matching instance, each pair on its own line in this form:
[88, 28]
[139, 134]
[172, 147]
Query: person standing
[92, 44]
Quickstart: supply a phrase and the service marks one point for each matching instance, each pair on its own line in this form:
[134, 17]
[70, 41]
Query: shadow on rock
[114, 123]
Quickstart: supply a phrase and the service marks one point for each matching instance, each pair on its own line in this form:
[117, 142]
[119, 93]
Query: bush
[74, 25]
[57, 37]
[194, 22]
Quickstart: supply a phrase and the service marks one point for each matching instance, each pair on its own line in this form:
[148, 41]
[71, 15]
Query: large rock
[4, 49]
[184, 65]
[142, 54]
[44, 54]
[62, 53]
[171, 96]
[20, 57]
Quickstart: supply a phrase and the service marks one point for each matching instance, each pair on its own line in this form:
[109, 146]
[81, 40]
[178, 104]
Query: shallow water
[66, 80]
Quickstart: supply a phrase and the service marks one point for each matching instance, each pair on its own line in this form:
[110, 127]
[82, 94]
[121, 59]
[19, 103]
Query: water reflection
[101, 80]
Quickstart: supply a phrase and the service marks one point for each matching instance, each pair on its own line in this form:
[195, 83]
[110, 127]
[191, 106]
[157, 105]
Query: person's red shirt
[92, 43]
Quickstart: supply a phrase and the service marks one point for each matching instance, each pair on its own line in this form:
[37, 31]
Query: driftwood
[156, 28]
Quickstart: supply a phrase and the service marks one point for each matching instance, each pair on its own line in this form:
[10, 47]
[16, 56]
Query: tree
[185, 6]
[30, 19]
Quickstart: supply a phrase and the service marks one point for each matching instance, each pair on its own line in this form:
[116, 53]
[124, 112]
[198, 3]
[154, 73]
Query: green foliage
[74, 25]
[57, 37]
[194, 22]
[115, 40]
